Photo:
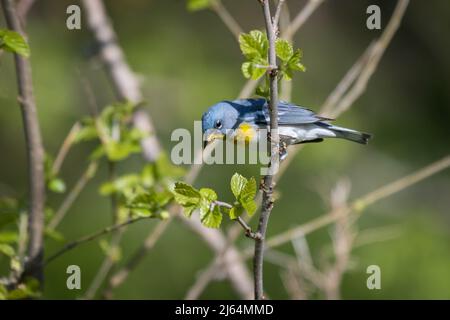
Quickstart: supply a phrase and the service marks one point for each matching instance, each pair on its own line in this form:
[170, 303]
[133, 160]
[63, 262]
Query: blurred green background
[189, 61]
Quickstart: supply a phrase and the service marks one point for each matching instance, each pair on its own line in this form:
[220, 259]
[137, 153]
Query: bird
[241, 119]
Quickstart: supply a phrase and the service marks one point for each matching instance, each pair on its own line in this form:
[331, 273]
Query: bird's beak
[211, 135]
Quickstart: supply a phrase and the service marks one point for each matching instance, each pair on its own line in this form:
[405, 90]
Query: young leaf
[238, 183]
[187, 196]
[248, 195]
[14, 42]
[212, 219]
[294, 61]
[254, 44]
[195, 5]
[56, 185]
[283, 49]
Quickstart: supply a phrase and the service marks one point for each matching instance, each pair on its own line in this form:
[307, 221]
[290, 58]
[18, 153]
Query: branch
[374, 58]
[301, 18]
[23, 7]
[73, 194]
[35, 150]
[65, 147]
[124, 80]
[273, 140]
[357, 205]
[93, 236]
[226, 18]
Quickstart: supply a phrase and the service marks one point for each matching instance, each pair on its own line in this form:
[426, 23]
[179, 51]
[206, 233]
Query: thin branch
[232, 25]
[93, 236]
[124, 80]
[65, 147]
[301, 18]
[273, 139]
[276, 18]
[23, 7]
[357, 205]
[35, 150]
[379, 48]
[73, 194]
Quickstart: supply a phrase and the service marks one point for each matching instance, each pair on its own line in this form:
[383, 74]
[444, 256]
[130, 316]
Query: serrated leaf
[195, 5]
[14, 42]
[246, 69]
[294, 61]
[247, 197]
[237, 184]
[56, 185]
[187, 196]
[209, 194]
[212, 219]
[284, 49]
[254, 44]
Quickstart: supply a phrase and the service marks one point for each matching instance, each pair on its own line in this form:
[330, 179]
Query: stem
[35, 151]
[273, 139]
[93, 236]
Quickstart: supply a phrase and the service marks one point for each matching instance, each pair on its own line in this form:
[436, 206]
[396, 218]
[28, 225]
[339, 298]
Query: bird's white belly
[305, 132]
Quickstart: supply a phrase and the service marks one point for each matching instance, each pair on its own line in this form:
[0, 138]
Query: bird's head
[218, 120]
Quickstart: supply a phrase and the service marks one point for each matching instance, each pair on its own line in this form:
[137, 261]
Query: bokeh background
[187, 62]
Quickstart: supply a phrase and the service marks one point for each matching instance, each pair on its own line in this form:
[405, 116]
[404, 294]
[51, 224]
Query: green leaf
[254, 44]
[238, 183]
[212, 219]
[117, 151]
[248, 195]
[86, 133]
[284, 49]
[195, 5]
[209, 194]
[56, 185]
[189, 209]
[141, 212]
[8, 237]
[254, 69]
[7, 250]
[120, 185]
[14, 42]
[294, 61]
[236, 212]
[185, 194]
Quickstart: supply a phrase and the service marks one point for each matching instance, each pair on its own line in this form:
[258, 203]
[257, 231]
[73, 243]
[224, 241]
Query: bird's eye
[218, 124]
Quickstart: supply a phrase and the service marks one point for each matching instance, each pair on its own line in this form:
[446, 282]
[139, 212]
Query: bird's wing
[257, 111]
[290, 114]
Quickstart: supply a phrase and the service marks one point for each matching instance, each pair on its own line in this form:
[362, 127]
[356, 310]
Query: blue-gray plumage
[296, 124]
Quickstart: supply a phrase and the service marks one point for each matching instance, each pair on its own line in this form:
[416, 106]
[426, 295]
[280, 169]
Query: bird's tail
[348, 134]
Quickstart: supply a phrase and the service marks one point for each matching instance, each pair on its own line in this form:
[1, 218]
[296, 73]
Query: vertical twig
[267, 184]
[35, 151]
